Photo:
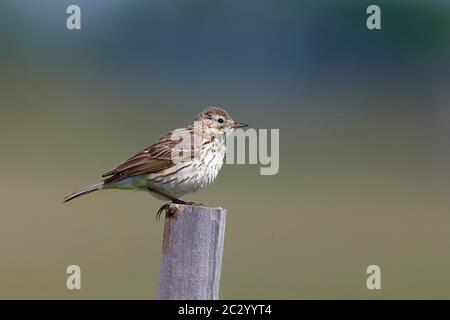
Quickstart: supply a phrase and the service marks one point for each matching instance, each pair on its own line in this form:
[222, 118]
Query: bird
[180, 162]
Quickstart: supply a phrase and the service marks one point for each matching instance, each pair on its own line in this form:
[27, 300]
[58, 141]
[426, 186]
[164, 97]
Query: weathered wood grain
[192, 252]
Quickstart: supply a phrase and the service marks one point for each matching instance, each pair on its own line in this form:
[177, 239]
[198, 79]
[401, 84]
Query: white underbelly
[179, 180]
[192, 177]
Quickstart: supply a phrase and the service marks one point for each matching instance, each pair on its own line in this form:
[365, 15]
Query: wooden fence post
[192, 252]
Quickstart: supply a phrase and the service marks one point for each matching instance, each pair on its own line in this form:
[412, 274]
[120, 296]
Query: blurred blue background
[364, 153]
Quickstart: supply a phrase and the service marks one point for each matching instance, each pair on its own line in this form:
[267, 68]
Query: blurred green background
[364, 153]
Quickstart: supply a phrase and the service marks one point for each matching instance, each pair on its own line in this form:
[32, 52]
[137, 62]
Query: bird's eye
[220, 120]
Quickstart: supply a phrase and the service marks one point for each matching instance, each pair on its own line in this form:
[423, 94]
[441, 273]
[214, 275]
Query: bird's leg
[190, 203]
[173, 199]
[171, 208]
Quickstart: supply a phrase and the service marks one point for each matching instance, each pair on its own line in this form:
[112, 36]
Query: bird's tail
[82, 192]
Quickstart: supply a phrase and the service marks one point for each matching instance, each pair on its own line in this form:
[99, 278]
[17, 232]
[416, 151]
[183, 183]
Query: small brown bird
[173, 167]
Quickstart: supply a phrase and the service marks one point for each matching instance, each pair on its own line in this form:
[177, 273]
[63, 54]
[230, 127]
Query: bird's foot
[171, 209]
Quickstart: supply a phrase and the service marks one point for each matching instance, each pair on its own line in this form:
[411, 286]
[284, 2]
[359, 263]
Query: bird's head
[218, 121]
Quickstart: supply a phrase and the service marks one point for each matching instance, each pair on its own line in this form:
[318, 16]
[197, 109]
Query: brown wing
[154, 158]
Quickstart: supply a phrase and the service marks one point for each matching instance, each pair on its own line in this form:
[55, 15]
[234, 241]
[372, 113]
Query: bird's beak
[238, 125]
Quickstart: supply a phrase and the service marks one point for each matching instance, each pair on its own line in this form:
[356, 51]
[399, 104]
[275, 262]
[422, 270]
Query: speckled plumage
[156, 170]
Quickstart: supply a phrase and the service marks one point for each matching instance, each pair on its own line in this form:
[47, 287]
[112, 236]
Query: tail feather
[82, 192]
